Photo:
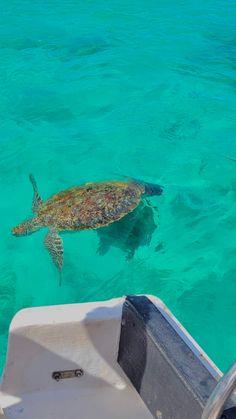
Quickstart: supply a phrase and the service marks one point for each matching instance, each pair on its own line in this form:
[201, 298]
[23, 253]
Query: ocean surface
[96, 90]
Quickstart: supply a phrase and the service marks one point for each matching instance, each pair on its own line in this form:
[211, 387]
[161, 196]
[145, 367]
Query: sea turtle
[85, 207]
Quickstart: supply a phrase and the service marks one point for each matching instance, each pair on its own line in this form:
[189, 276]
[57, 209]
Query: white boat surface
[70, 361]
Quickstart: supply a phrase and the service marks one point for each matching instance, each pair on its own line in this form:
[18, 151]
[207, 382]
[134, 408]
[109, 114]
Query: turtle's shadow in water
[129, 233]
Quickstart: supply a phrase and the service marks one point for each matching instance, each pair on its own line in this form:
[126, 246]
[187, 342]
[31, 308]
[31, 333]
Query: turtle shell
[90, 206]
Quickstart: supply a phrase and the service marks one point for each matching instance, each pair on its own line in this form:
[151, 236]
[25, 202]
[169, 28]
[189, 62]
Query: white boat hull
[48, 339]
[116, 359]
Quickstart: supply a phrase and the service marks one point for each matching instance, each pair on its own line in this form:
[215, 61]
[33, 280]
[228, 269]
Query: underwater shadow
[128, 234]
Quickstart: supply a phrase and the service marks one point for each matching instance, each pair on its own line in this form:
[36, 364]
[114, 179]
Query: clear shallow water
[91, 89]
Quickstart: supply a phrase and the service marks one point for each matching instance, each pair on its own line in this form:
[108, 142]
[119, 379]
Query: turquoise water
[91, 89]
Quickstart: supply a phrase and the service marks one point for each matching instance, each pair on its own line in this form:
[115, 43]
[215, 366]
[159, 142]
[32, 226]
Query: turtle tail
[152, 189]
[26, 228]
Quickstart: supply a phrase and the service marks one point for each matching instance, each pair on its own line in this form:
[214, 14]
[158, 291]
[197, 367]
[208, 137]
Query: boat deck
[91, 404]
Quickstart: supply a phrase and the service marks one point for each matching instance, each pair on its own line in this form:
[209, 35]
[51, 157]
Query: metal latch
[221, 393]
[61, 375]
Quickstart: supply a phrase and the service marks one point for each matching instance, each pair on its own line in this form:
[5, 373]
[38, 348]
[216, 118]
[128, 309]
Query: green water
[94, 88]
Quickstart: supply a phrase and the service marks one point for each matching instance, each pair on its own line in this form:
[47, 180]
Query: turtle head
[28, 227]
[19, 230]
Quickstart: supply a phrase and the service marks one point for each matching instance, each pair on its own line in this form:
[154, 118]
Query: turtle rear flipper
[37, 200]
[54, 244]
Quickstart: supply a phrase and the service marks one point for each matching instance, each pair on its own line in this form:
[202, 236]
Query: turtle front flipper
[54, 245]
[37, 200]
